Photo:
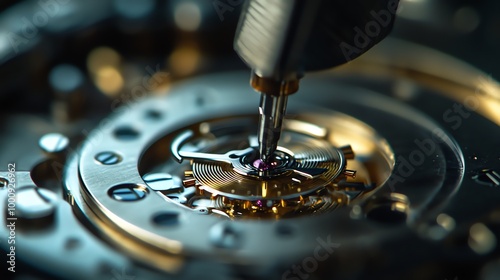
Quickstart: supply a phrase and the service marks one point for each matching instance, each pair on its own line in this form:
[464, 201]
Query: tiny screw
[487, 177]
[160, 181]
[202, 211]
[108, 158]
[127, 192]
[3, 182]
[53, 143]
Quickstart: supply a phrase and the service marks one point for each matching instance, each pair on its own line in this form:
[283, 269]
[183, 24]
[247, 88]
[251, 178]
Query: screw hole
[71, 243]
[284, 230]
[200, 101]
[126, 133]
[153, 115]
[166, 219]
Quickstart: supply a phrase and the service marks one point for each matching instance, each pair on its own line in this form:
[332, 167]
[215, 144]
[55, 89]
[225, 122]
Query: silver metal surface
[162, 182]
[60, 245]
[34, 203]
[433, 216]
[371, 149]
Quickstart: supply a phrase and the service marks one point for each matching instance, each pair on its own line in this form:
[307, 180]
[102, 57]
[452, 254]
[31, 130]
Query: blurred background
[64, 64]
[189, 37]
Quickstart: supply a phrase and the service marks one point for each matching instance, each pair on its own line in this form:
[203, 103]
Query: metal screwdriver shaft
[281, 39]
[270, 39]
[272, 111]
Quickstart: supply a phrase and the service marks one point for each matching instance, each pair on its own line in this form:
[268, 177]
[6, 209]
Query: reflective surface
[117, 83]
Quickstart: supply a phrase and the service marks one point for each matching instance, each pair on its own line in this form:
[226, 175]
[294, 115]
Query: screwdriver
[281, 39]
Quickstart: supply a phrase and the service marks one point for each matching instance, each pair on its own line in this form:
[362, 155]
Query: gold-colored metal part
[287, 194]
[317, 176]
[273, 87]
[284, 208]
[350, 173]
[348, 152]
[311, 155]
[189, 182]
